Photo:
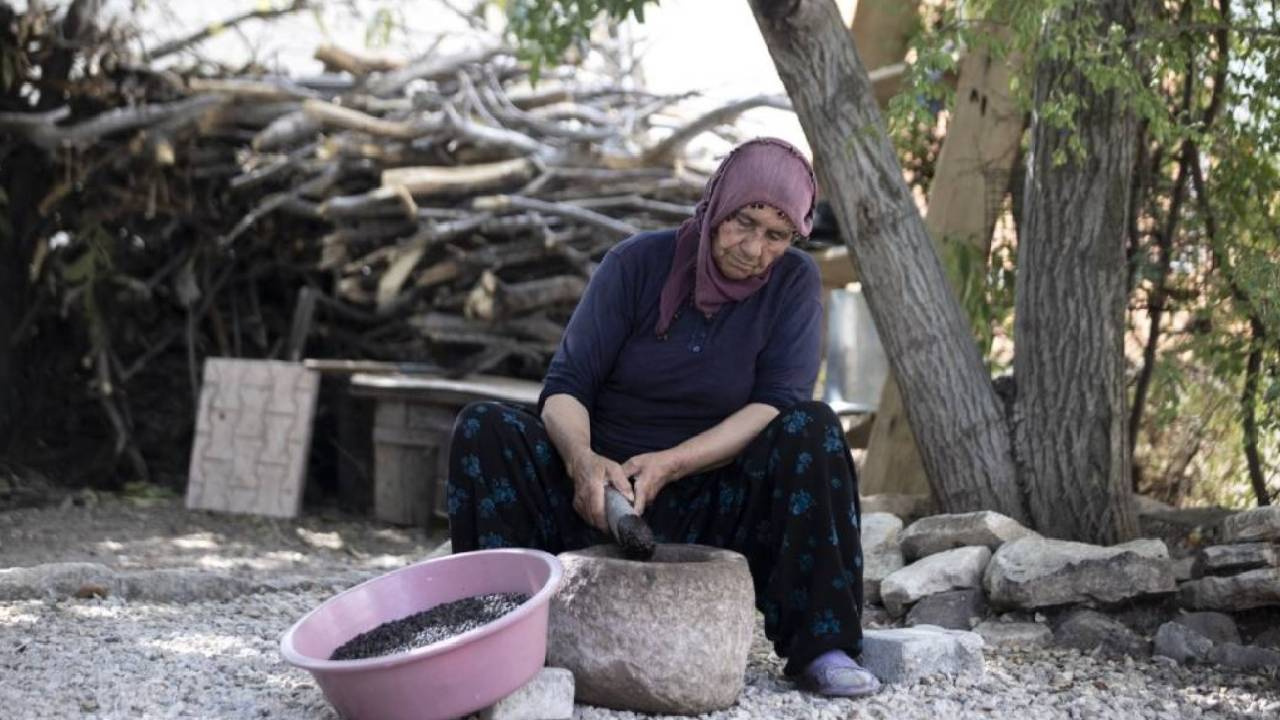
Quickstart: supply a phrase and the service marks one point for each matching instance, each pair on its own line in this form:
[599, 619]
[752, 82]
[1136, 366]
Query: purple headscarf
[763, 170]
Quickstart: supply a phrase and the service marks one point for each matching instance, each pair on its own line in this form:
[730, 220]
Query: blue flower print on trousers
[457, 497]
[492, 540]
[502, 491]
[832, 442]
[795, 421]
[801, 501]
[803, 461]
[471, 466]
[825, 624]
[470, 428]
[511, 418]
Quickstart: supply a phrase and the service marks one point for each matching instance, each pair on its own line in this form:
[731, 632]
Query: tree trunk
[949, 399]
[972, 175]
[1071, 434]
[1249, 412]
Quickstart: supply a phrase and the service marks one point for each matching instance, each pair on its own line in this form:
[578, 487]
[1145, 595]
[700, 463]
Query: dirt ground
[158, 532]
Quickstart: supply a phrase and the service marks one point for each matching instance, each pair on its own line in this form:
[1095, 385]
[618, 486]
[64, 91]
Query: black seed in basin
[439, 623]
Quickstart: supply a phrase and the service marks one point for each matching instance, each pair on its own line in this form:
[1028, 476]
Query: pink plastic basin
[442, 680]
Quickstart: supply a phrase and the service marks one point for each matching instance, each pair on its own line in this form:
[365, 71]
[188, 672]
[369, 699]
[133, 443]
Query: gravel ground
[111, 658]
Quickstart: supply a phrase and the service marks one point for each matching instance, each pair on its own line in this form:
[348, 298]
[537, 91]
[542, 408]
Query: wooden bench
[412, 424]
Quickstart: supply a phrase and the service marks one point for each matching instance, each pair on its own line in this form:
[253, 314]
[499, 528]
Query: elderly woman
[684, 380]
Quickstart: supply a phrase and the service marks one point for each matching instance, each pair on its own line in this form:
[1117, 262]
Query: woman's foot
[835, 674]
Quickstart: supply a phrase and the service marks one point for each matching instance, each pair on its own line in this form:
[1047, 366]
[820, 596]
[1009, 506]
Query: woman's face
[750, 240]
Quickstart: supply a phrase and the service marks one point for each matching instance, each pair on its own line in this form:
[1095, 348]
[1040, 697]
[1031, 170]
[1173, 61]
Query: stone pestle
[627, 528]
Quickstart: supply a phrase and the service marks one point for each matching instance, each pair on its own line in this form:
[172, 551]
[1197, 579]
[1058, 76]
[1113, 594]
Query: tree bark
[1249, 412]
[969, 184]
[1071, 437]
[949, 399]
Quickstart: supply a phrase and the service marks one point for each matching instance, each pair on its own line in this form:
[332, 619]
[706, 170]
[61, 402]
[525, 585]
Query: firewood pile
[442, 210]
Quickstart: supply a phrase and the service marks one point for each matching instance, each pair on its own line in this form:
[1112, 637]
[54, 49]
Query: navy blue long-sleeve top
[644, 393]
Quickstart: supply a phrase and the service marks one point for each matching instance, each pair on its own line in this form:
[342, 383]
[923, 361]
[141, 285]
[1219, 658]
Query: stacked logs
[444, 211]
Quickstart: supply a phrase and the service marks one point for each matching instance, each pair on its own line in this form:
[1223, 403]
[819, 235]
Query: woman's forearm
[722, 442]
[569, 426]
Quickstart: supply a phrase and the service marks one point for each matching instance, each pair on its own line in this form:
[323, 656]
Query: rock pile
[1018, 590]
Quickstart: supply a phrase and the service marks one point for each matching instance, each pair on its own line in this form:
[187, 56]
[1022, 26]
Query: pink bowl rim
[295, 657]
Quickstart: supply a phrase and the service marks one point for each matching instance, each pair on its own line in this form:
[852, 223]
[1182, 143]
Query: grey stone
[950, 570]
[1255, 588]
[1244, 657]
[1181, 643]
[1233, 559]
[667, 636]
[1014, 635]
[1034, 571]
[904, 655]
[881, 551]
[548, 696]
[1269, 639]
[875, 616]
[907, 507]
[1144, 505]
[1184, 568]
[954, 609]
[1218, 627]
[1256, 525]
[936, 533]
[1090, 631]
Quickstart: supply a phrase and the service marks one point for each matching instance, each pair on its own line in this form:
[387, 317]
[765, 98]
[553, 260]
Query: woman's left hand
[651, 472]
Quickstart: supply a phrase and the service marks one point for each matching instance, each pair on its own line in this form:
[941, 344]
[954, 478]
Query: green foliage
[546, 29]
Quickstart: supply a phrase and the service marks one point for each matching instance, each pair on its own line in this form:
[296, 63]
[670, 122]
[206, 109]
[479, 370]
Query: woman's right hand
[591, 473]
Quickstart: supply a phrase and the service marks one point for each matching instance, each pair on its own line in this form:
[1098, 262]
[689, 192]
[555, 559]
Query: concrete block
[904, 655]
[253, 432]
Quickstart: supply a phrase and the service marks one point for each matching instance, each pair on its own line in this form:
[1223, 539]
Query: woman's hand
[591, 473]
[651, 472]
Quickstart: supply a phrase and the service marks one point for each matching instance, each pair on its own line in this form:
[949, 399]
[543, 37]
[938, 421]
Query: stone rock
[904, 655]
[1256, 525]
[1244, 657]
[1184, 568]
[881, 551]
[57, 580]
[875, 616]
[950, 570]
[1034, 571]
[666, 636]
[548, 696]
[1233, 559]
[1014, 635]
[1144, 505]
[1217, 627]
[1088, 631]
[954, 609]
[1255, 588]
[907, 507]
[936, 533]
[1269, 639]
[1180, 642]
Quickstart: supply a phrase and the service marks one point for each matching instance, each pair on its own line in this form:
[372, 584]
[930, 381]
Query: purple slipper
[835, 674]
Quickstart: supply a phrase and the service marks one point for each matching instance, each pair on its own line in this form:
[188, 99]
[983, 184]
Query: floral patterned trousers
[788, 502]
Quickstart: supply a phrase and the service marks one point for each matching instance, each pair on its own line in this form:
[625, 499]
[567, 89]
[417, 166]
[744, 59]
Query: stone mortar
[670, 635]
